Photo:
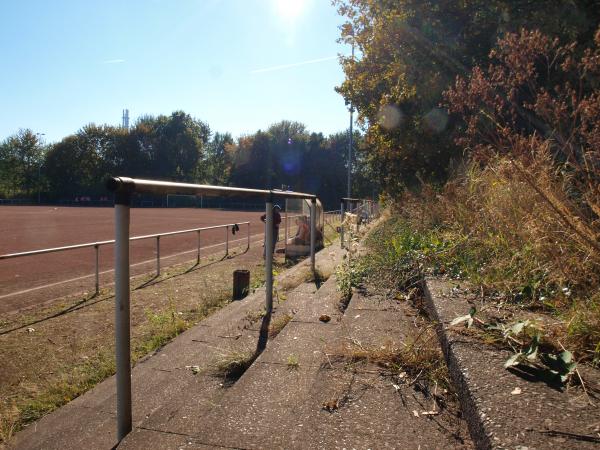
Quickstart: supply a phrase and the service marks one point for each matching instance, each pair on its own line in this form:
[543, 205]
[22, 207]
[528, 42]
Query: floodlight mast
[124, 188]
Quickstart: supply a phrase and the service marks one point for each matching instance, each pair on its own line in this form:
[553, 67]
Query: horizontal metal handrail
[112, 241]
[127, 185]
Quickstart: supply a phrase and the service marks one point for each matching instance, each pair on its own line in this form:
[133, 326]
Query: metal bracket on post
[313, 232]
[269, 255]
[122, 314]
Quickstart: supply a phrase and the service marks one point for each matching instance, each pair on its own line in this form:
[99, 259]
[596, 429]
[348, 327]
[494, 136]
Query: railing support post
[269, 255]
[313, 232]
[342, 225]
[248, 244]
[122, 315]
[97, 249]
[198, 256]
[226, 240]
[285, 234]
[157, 256]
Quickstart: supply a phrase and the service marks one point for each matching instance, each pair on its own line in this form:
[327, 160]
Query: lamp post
[349, 187]
[40, 171]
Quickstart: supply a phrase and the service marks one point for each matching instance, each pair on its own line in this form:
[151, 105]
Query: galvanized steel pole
[313, 232]
[342, 225]
[198, 257]
[248, 245]
[122, 316]
[269, 255]
[97, 248]
[157, 255]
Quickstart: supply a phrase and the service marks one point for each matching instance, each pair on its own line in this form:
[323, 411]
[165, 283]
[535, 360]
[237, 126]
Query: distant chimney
[126, 119]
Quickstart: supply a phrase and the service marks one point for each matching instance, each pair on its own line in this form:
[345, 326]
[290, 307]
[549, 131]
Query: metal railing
[124, 188]
[369, 207]
[157, 236]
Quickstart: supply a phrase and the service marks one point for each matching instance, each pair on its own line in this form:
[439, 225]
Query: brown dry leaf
[331, 405]
[324, 318]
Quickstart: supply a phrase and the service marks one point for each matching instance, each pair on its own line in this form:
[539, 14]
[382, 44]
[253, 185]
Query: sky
[238, 65]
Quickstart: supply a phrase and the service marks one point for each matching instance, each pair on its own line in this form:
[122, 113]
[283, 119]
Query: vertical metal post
[313, 232]
[97, 248]
[285, 235]
[248, 245]
[226, 240]
[342, 225]
[198, 256]
[122, 313]
[157, 255]
[269, 255]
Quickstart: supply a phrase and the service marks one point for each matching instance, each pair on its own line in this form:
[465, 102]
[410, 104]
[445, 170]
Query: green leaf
[472, 311]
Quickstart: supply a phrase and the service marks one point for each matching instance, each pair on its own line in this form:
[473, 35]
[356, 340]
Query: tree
[21, 158]
[410, 51]
[215, 166]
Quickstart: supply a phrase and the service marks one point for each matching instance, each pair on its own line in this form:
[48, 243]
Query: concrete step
[298, 394]
[163, 385]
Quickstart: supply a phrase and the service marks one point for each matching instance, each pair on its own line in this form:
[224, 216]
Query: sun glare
[289, 10]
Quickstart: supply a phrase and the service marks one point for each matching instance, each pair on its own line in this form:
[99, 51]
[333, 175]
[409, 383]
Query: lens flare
[436, 120]
[390, 117]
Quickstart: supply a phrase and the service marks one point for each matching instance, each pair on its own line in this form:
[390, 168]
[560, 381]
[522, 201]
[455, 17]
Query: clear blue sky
[239, 65]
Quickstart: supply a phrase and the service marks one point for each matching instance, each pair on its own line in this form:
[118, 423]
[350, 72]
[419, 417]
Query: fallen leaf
[194, 369]
[324, 318]
[430, 413]
[516, 391]
[331, 405]
[416, 413]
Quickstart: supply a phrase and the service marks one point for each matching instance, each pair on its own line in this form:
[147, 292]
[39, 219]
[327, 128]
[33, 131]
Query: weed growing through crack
[232, 364]
[278, 324]
[292, 362]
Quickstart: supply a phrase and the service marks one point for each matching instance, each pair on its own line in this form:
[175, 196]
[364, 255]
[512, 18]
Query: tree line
[179, 147]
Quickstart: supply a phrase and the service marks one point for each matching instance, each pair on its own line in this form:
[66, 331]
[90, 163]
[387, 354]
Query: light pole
[40, 171]
[349, 188]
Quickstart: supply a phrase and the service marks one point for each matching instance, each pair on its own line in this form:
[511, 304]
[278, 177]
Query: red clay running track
[41, 277]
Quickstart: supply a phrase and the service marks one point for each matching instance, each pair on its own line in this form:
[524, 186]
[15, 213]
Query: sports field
[30, 280]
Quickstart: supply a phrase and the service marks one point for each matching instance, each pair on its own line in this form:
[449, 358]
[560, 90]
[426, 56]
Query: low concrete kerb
[505, 409]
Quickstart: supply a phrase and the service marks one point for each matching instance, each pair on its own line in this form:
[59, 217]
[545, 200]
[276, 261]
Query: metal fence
[124, 188]
[157, 236]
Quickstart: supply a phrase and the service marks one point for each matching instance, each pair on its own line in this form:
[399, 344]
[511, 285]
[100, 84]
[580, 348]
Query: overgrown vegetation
[489, 149]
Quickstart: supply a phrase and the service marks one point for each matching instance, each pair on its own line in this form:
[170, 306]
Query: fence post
[342, 225]
[97, 248]
[313, 232]
[269, 255]
[198, 256]
[122, 315]
[157, 255]
[248, 245]
[226, 240]
[285, 234]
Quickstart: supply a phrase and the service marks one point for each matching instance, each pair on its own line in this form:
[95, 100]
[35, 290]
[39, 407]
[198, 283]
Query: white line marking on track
[45, 286]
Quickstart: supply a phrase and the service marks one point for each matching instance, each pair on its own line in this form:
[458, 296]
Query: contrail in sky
[289, 66]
